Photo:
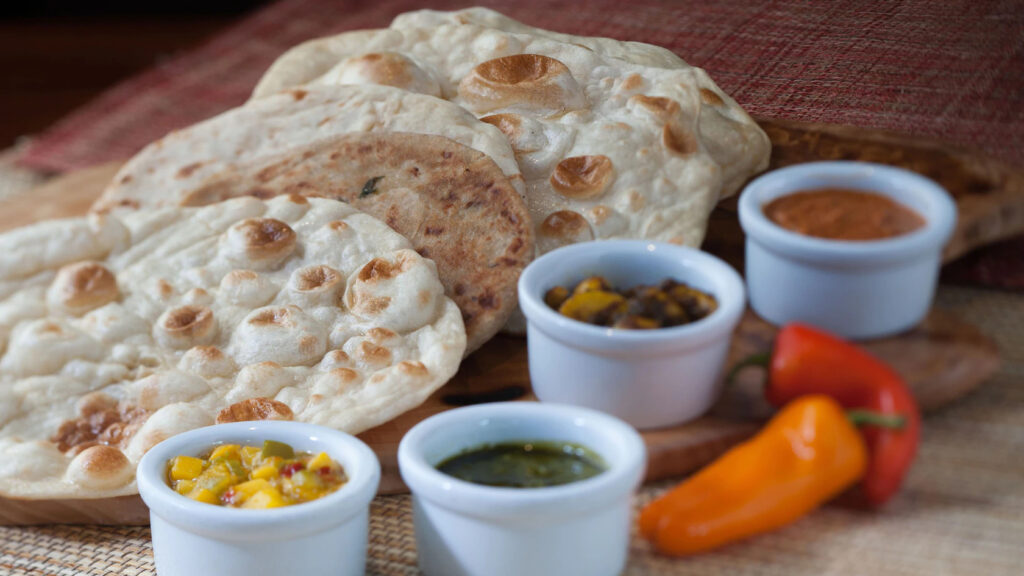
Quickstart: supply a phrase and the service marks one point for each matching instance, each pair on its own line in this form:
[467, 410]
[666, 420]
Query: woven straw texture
[960, 512]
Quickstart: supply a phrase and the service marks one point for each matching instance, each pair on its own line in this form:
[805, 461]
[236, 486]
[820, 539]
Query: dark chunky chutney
[524, 464]
[595, 301]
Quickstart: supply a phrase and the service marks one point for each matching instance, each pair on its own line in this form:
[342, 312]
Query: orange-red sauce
[840, 214]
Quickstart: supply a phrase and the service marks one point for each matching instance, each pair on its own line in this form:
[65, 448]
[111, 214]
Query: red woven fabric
[948, 69]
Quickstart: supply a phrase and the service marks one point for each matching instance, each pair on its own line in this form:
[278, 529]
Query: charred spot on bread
[413, 368]
[83, 286]
[261, 242]
[279, 316]
[665, 109]
[100, 467]
[255, 409]
[316, 278]
[679, 141]
[185, 326]
[99, 423]
[711, 97]
[583, 177]
[533, 82]
[563, 227]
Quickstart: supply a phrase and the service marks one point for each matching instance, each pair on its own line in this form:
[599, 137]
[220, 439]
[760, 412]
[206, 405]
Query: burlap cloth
[946, 69]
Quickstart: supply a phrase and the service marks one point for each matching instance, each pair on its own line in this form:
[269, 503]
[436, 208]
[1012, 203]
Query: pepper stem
[762, 359]
[870, 418]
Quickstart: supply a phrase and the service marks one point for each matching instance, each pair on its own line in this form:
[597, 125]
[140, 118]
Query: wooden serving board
[942, 359]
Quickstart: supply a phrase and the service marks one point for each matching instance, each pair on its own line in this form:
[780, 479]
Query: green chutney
[524, 464]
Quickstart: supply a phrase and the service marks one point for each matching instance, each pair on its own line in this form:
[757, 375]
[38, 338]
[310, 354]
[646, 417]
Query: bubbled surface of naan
[646, 143]
[175, 317]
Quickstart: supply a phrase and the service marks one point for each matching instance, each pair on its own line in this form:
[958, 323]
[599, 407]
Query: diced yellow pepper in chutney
[255, 477]
[185, 468]
[225, 451]
[266, 498]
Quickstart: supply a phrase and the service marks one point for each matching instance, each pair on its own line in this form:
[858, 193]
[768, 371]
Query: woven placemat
[960, 511]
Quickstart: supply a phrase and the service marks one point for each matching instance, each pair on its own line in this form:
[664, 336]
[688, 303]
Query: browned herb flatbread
[452, 202]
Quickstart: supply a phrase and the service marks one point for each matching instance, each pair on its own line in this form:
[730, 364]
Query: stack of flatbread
[329, 251]
[614, 139]
[120, 331]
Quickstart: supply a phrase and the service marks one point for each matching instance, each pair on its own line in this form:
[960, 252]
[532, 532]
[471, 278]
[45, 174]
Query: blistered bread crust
[260, 243]
[81, 287]
[185, 326]
[386, 69]
[100, 467]
[255, 409]
[582, 177]
[670, 143]
[530, 82]
[289, 309]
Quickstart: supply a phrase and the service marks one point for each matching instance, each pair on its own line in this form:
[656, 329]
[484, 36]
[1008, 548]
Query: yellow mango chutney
[255, 477]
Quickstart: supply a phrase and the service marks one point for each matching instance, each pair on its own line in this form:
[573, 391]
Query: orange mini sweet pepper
[808, 453]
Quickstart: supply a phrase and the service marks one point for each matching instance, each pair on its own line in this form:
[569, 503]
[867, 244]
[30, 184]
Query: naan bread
[635, 52]
[427, 167]
[452, 202]
[613, 140]
[156, 322]
[168, 170]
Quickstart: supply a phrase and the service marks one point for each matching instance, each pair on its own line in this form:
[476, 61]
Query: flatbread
[635, 52]
[169, 169]
[614, 141]
[160, 321]
[432, 157]
[452, 202]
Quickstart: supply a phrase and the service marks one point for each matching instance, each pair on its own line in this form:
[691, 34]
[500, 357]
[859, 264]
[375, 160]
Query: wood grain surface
[942, 359]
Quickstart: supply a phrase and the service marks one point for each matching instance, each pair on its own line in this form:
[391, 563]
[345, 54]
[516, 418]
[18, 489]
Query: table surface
[960, 510]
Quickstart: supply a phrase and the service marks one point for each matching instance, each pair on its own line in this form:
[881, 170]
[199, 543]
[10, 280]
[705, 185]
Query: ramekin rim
[342, 504]
[932, 236]
[723, 319]
[425, 481]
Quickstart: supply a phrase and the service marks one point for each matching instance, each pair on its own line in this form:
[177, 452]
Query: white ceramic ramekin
[861, 289]
[649, 378]
[320, 538]
[577, 529]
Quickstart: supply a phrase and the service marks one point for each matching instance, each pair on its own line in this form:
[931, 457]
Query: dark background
[108, 8]
[56, 56]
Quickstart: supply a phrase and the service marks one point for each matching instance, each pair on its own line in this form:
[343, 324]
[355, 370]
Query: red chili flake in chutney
[288, 469]
[840, 214]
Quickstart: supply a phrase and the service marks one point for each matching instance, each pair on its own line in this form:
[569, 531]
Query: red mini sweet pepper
[807, 360]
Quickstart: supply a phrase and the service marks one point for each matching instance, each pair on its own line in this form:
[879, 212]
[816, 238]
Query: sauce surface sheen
[524, 464]
[841, 214]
